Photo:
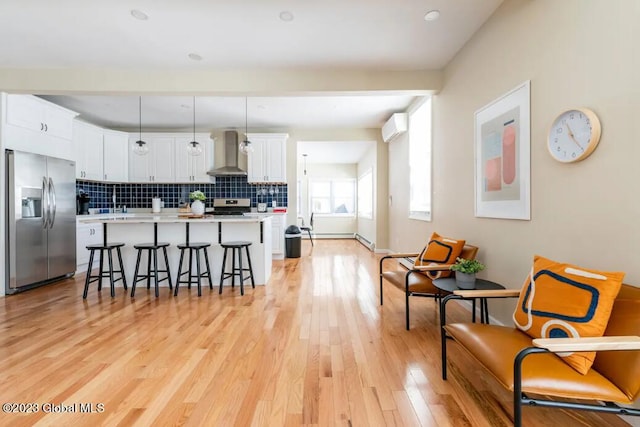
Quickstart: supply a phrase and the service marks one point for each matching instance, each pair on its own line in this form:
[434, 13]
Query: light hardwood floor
[313, 347]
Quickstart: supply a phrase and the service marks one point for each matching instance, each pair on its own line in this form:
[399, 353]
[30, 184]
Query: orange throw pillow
[566, 301]
[440, 250]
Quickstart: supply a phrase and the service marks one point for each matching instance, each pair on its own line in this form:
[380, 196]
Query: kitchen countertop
[164, 218]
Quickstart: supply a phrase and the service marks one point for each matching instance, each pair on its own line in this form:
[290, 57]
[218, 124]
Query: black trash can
[292, 241]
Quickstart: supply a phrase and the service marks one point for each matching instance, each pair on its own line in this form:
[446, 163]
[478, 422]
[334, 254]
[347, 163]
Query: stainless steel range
[231, 207]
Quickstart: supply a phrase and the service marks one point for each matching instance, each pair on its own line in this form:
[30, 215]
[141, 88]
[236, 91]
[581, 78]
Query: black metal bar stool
[236, 248]
[152, 254]
[102, 273]
[193, 278]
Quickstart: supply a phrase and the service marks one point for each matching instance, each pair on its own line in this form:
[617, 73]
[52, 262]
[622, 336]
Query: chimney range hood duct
[230, 157]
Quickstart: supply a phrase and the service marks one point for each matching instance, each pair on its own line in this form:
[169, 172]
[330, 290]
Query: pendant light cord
[194, 121]
[140, 116]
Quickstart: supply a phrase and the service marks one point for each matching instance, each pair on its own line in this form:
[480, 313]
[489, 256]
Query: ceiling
[232, 34]
[237, 35]
[325, 151]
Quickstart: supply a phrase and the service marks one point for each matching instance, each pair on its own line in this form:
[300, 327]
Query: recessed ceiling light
[432, 15]
[286, 16]
[195, 57]
[138, 14]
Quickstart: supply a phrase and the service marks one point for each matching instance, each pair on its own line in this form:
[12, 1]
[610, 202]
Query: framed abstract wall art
[502, 156]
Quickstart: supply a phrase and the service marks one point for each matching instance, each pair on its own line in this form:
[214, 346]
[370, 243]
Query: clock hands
[573, 138]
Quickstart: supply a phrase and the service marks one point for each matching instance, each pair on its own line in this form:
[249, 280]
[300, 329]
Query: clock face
[574, 135]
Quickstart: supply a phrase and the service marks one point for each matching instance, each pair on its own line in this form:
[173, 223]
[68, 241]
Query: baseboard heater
[365, 242]
[328, 235]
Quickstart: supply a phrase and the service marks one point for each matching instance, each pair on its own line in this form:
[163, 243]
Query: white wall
[575, 53]
[296, 135]
[327, 224]
[366, 227]
[405, 235]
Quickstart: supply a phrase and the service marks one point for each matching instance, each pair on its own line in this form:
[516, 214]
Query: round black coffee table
[449, 284]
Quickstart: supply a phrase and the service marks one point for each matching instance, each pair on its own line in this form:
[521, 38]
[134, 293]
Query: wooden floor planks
[313, 347]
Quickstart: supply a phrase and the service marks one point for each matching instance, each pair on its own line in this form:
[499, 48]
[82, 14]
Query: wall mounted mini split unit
[396, 125]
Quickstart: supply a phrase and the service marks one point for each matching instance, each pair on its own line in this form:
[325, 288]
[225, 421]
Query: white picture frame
[502, 136]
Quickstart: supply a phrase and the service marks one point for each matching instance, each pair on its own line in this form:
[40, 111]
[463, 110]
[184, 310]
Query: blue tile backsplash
[140, 195]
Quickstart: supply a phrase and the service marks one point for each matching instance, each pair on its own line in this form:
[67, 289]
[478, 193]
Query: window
[420, 162]
[332, 197]
[365, 195]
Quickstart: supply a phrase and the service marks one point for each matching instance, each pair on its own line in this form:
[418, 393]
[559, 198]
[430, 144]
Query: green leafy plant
[467, 266]
[197, 195]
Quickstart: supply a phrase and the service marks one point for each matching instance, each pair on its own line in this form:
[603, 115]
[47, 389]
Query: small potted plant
[466, 270]
[197, 206]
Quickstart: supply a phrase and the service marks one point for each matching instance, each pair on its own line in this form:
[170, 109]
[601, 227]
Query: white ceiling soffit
[176, 112]
[327, 152]
[249, 34]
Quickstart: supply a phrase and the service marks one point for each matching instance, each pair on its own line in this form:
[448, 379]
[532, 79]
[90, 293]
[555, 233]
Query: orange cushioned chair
[524, 364]
[432, 263]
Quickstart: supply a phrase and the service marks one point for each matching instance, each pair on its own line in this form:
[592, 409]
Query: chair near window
[432, 263]
[308, 228]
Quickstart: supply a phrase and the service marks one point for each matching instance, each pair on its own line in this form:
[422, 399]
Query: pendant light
[245, 146]
[140, 148]
[194, 148]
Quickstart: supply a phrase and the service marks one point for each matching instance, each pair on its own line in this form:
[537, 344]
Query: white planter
[197, 207]
[465, 281]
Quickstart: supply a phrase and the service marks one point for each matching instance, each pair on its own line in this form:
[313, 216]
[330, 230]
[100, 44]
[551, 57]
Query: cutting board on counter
[189, 215]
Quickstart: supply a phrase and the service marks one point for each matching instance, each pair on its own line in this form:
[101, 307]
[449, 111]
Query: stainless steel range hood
[230, 157]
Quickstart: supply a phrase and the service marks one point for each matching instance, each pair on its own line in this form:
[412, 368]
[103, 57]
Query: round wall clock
[574, 135]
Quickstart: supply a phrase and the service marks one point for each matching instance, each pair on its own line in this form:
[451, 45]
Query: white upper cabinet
[101, 154]
[116, 156]
[36, 114]
[88, 142]
[38, 126]
[168, 159]
[157, 165]
[139, 166]
[268, 160]
[164, 162]
[193, 168]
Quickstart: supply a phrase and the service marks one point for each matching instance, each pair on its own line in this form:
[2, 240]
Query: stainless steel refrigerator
[41, 222]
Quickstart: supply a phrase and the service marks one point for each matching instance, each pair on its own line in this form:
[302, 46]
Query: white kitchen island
[135, 229]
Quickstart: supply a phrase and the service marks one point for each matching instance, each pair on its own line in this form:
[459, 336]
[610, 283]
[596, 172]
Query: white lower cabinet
[86, 234]
[277, 232]
[277, 240]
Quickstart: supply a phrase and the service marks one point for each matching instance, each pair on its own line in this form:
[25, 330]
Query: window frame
[332, 197]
